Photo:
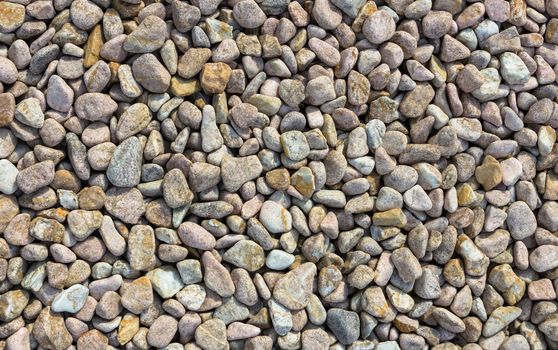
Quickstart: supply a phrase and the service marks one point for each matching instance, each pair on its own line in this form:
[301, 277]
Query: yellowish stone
[392, 217]
[214, 77]
[366, 10]
[278, 179]
[303, 181]
[129, 326]
[489, 174]
[11, 16]
[184, 87]
[93, 47]
[465, 195]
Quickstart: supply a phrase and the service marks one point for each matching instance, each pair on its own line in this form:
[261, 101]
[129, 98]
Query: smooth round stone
[8, 184]
[279, 260]
[275, 217]
[8, 70]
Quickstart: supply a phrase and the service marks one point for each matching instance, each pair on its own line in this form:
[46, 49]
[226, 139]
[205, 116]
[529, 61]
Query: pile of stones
[278, 174]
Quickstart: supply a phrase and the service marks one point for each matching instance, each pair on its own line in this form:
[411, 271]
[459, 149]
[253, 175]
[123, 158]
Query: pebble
[35, 177]
[70, 300]
[344, 324]
[147, 37]
[29, 113]
[8, 182]
[165, 281]
[13, 16]
[212, 335]
[124, 169]
[378, 27]
[279, 260]
[294, 289]
[246, 254]
[248, 14]
[94, 106]
[8, 70]
[521, 220]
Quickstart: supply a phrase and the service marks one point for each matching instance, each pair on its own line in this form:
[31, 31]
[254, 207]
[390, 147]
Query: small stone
[513, 69]
[216, 277]
[50, 331]
[7, 108]
[192, 62]
[295, 145]
[294, 289]
[35, 177]
[344, 324]
[162, 331]
[378, 27]
[132, 121]
[521, 221]
[124, 169]
[237, 171]
[417, 199]
[94, 106]
[29, 113]
[195, 236]
[447, 320]
[137, 295]
[141, 248]
[125, 204]
[212, 335]
[12, 304]
[8, 181]
[500, 319]
[248, 14]
[175, 189]
[85, 14]
[214, 77]
[279, 260]
[165, 280]
[392, 217]
[275, 217]
[8, 70]
[415, 102]
[70, 300]
[12, 16]
[489, 174]
[246, 254]
[280, 317]
[149, 36]
[320, 90]
[544, 258]
[150, 73]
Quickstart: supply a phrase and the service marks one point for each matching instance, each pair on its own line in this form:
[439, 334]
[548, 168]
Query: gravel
[278, 174]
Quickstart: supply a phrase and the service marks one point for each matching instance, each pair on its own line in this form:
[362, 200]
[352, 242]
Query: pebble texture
[278, 174]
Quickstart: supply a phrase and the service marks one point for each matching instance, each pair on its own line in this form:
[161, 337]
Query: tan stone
[11, 16]
[368, 9]
[129, 326]
[278, 179]
[303, 181]
[184, 87]
[136, 296]
[392, 217]
[50, 330]
[93, 47]
[489, 173]
[214, 77]
[8, 209]
[465, 195]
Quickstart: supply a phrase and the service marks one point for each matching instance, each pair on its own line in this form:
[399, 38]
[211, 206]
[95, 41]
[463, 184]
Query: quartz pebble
[277, 174]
